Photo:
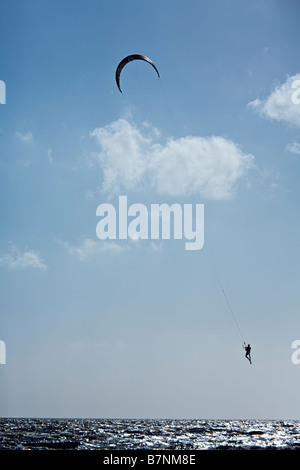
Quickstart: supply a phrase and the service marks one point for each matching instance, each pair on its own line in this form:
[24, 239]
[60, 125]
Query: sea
[172, 439]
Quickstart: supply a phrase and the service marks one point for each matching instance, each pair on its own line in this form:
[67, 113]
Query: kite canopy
[127, 59]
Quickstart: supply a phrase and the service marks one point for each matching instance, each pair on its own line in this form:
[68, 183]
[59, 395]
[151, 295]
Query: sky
[144, 328]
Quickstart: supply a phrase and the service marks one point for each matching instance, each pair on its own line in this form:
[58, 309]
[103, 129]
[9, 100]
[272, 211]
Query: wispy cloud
[293, 148]
[89, 248]
[25, 162]
[281, 104]
[50, 157]
[131, 157]
[27, 138]
[16, 259]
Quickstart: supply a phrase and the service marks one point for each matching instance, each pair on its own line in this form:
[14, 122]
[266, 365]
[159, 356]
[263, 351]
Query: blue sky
[141, 329]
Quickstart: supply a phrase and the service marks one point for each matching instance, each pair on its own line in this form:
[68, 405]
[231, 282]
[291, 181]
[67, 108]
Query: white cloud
[89, 248]
[281, 105]
[27, 138]
[130, 157]
[123, 155]
[15, 259]
[293, 148]
[196, 165]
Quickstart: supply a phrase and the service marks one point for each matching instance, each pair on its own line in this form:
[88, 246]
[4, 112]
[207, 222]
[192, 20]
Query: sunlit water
[165, 434]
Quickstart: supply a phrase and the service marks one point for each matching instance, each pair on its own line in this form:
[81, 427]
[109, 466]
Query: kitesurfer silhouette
[247, 355]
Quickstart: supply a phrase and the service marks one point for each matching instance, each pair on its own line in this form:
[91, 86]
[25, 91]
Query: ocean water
[148, 434]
